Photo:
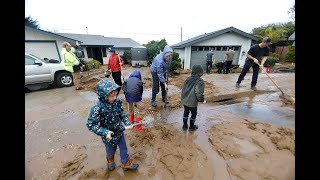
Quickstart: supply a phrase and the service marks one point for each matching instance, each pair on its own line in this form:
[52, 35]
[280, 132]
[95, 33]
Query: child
[133, 89]
[192, 93]
[105, 120]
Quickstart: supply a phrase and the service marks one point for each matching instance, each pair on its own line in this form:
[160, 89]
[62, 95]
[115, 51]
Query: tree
[176, 62]
[154, 47]
[277, 32]
[292, 12]
[31, 22]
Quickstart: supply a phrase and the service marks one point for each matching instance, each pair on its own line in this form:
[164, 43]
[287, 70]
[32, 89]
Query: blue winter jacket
[133, 87]
[105, 117]
[159, 64]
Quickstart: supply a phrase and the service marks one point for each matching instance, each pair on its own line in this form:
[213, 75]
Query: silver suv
[37, 72]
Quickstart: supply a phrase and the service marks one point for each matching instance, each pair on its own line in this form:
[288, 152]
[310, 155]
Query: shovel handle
[271, 79]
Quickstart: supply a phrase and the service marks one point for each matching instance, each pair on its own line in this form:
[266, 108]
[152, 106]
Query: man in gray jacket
[192, 93]
[159, 66]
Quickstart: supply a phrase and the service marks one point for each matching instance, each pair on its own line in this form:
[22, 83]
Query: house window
[218, 48]
[200, 48]
[206, 48]
[194, 48]
[104, 52]
[89, 52]
[236, 48]
[224, 48]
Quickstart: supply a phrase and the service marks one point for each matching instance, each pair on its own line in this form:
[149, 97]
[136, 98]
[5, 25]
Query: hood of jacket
[104, 88]
[136, 74]
[197, 70]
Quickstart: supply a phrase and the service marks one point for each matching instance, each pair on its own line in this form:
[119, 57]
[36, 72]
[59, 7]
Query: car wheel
[64, 79]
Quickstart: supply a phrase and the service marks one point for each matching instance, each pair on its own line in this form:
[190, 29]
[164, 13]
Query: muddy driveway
[242, 134]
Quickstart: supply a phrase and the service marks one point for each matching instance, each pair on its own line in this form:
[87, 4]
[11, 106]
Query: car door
[36, 71]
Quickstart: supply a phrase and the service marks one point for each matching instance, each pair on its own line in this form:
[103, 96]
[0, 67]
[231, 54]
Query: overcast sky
[146, 20]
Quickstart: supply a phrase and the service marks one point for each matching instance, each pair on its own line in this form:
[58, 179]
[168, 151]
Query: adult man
[256, 57]
[209, 60]
[115, 64]
[228, 57]
[159, 66]
[71, 63]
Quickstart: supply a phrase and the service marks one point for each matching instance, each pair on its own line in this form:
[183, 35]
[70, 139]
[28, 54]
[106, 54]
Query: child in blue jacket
[106, 119]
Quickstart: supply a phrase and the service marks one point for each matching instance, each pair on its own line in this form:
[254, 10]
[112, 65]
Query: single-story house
[293, 38]
[44, 44]
[193, 51]
[97, 46]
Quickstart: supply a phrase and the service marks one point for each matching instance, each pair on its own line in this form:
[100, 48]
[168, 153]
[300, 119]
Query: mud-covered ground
[243, 134]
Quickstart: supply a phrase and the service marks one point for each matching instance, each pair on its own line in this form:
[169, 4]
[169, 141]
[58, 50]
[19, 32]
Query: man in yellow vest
[71, 63]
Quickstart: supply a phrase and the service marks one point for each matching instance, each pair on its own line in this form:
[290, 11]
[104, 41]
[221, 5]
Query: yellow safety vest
[69, 59]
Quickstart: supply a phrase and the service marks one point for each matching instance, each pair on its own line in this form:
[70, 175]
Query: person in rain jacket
[159, 66]
[133, 89]
[191, 94]
[106, 119]
[71, 63]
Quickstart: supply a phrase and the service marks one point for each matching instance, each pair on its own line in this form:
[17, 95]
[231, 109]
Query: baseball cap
[267, 40]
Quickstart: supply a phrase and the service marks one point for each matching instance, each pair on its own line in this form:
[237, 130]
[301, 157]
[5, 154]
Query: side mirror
[38, 63]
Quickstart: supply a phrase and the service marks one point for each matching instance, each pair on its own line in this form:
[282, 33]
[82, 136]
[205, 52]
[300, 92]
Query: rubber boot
[111, 163]
[192, 125]
[139, 127]
[131, 118]
[185, 123]
[129, 166]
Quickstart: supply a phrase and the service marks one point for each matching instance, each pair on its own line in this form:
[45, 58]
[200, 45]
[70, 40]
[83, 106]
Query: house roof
[99, 40]
[54, 35]
[210, 35]
[292, 37]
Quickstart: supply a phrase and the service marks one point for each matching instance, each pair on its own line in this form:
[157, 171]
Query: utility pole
[181, 33]
[87, 29]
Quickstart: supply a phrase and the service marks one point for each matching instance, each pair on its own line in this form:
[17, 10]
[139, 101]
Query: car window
[29, 60]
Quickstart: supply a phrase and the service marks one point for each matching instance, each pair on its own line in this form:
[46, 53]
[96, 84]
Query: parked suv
[37, 71]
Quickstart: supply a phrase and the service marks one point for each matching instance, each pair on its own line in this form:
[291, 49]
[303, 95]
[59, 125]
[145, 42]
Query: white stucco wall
[181, 54]
[227, 39]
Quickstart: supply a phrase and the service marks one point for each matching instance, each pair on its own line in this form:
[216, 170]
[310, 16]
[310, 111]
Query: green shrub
[291, 54]
[174, 66]
[271, 61]
[274, 55]
[176, 62]
[94, 64]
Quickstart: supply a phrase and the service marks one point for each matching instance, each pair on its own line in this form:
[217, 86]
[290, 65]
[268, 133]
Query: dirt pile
[183, 71]
[153, 147]
[249, 147]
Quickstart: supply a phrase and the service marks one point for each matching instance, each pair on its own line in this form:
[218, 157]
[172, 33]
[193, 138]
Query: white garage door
[42, 49]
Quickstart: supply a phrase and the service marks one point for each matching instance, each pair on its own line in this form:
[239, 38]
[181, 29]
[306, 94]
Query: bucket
[268, 70]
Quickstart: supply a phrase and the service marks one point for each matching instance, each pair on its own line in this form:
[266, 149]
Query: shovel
[285, 96]
[166, 95]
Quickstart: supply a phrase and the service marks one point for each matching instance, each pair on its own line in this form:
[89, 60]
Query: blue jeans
[111, 149]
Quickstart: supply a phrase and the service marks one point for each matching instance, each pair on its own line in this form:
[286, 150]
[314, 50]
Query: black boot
[185, 123]
[192, 125]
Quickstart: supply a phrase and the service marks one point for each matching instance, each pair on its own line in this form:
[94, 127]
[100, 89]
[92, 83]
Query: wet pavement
[55, 118]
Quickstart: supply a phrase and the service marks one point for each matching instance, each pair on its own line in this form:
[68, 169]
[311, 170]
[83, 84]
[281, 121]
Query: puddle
[269, 114]
[246, 147]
